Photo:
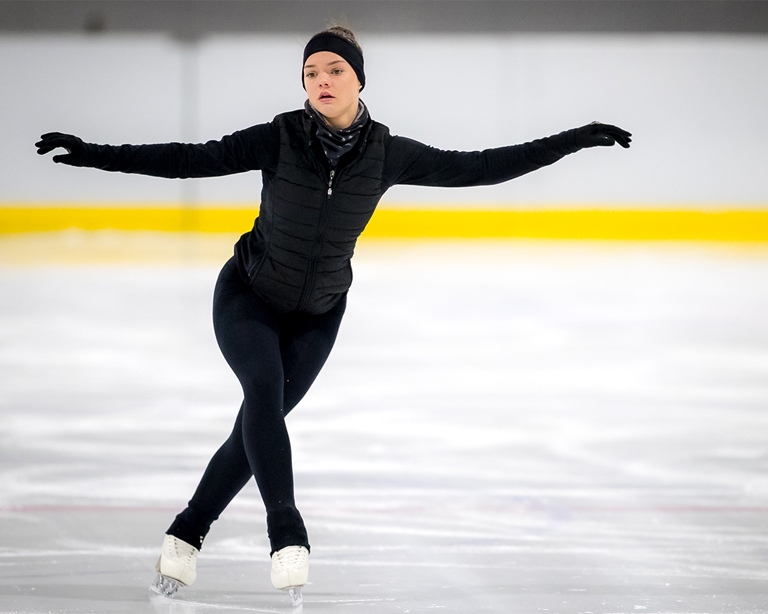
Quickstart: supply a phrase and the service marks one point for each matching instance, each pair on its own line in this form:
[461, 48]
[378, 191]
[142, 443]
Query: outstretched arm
[250, 149]
[413, 163]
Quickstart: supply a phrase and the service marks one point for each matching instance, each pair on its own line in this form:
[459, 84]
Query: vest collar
[310, 132]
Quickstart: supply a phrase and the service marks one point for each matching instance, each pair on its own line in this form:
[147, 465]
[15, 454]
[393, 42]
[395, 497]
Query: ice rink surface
[515, 427]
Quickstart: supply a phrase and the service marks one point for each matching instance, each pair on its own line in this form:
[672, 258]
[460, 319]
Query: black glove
[596, 134]
[77, 150]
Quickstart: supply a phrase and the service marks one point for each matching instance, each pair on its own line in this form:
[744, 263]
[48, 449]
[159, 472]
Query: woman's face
[332, 87]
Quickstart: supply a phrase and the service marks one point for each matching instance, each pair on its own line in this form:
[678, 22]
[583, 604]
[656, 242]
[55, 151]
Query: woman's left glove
[597, 134]
[77, 150]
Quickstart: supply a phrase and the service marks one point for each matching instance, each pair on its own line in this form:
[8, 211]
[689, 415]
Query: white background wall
[695, 103]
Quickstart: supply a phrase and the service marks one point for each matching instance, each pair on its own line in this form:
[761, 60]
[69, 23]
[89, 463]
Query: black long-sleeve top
[297, 257]
[408, 162]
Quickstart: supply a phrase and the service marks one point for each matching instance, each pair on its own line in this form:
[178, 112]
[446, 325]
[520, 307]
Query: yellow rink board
[744, 225]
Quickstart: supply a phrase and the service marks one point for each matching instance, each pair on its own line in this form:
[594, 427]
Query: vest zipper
[325, 215]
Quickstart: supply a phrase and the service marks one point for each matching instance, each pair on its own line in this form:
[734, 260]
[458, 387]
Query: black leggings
[276, 357]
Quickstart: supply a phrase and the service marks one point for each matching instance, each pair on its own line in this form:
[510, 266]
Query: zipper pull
[330, 181]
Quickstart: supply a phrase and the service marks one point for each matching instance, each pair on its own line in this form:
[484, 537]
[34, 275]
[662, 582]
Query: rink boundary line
[635, 224]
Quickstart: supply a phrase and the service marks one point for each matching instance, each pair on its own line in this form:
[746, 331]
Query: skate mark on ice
[177, 606]
[353, 601]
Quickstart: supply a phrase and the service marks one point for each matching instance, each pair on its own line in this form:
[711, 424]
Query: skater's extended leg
[226, 475]
[305, 343]
[248, 333]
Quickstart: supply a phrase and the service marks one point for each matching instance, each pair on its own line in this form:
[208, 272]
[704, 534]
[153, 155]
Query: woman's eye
[337, 71]
[309, 75]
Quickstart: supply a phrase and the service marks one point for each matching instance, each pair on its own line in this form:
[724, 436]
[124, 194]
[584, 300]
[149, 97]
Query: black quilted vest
[297, 257]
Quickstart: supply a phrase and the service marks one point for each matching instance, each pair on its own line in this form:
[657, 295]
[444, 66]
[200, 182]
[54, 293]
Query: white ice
[513, 427]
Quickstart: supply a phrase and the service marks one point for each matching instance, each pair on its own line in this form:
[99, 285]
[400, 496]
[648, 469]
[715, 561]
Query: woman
[279, 301]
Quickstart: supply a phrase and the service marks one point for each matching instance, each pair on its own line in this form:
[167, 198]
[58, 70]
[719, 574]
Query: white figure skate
[290, 567]
[175, 567]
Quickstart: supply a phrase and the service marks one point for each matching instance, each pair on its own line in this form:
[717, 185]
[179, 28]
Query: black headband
[327, 41]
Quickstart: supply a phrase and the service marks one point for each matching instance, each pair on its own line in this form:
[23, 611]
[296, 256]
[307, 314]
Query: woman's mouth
[324, 97]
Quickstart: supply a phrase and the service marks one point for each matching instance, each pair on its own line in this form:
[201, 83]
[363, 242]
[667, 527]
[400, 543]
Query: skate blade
[294, 594]
[165, 586]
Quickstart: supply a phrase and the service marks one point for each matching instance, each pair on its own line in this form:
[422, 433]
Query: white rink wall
[695, 103]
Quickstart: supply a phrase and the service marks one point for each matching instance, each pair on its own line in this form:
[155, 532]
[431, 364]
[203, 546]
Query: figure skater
[279, 300]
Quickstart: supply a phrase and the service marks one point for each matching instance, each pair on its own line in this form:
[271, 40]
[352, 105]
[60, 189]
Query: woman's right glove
[77, 150]
[596, 134]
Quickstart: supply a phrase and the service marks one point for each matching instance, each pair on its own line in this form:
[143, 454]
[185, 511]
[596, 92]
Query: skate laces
[184, 552]
[290, 557]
